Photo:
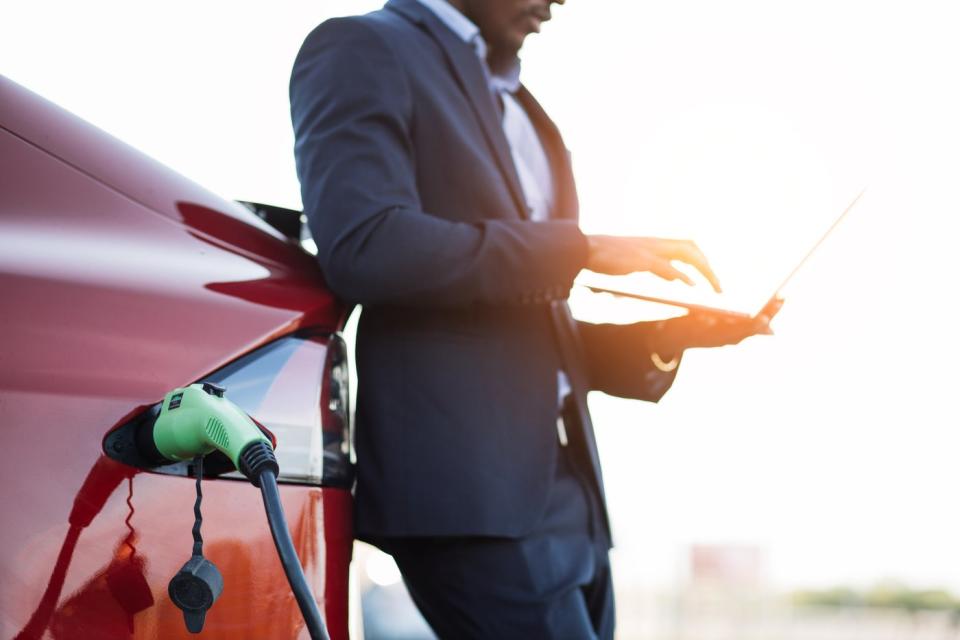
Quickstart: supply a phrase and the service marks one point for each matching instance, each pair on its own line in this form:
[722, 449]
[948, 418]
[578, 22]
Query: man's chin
[517, 39]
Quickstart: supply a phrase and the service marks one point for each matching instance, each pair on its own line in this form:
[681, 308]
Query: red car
[119, 281]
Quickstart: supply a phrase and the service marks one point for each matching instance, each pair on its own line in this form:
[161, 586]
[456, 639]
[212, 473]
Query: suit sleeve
[618, 361]
[352, 109]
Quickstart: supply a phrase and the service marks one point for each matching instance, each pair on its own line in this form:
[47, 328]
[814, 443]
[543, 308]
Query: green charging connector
[197, 419]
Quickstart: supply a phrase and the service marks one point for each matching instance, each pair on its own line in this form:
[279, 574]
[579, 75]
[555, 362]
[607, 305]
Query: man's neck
[500, 64]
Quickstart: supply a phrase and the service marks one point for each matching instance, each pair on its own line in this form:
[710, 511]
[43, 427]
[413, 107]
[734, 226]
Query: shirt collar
[453, 19]
[464, 29]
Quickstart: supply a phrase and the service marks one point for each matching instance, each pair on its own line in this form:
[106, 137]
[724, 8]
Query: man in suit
[441, 199]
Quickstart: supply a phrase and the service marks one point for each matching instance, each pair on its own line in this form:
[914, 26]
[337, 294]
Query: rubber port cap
[194, 590]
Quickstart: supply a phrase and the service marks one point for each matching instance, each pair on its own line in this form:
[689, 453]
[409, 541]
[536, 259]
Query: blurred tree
[886, 595]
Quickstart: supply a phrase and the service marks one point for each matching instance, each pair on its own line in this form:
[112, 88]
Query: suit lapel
[469, 74]
[566, 203]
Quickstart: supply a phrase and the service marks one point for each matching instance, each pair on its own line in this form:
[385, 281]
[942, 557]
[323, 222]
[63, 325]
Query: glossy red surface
[108, 160]
[119, 280]
[102, 571]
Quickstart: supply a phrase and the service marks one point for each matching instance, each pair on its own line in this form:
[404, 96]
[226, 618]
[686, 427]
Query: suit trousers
[553, 583]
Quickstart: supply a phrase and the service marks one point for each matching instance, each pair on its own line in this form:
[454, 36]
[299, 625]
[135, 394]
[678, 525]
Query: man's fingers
[687, 251]
[734, 330]
[698, 260]
[762, 325]
[775, 307]
[772, 308]
[667, 271]
[707, 329]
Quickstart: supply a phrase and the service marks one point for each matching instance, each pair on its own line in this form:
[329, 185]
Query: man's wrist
[603, 254]
[588, 250]
[593, 248]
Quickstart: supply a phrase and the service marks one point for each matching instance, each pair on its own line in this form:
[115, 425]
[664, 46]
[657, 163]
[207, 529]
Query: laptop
[600, 283]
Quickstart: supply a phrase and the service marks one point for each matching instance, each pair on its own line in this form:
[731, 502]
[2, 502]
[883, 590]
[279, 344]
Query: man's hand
[705, 329]
[617, 255]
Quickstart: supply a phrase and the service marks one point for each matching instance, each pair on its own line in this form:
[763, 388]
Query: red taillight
[335, 416]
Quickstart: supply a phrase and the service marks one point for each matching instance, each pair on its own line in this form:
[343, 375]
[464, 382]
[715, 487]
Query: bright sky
[744, 125]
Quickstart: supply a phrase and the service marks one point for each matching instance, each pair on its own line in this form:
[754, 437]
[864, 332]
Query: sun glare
[747, 126]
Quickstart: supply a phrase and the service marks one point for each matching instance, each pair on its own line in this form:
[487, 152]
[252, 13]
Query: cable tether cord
[288, 555]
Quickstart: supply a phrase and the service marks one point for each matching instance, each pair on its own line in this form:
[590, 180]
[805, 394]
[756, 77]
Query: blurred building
[727, 566]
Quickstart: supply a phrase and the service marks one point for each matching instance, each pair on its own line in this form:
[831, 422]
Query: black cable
[197, 516]
[288, 555]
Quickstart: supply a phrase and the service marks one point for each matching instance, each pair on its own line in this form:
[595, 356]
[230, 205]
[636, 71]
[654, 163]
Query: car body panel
[107, 159]
[112, 583]
[120, 280]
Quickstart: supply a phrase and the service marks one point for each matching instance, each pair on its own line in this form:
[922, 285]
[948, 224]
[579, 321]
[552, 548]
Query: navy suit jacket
[418, 215]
